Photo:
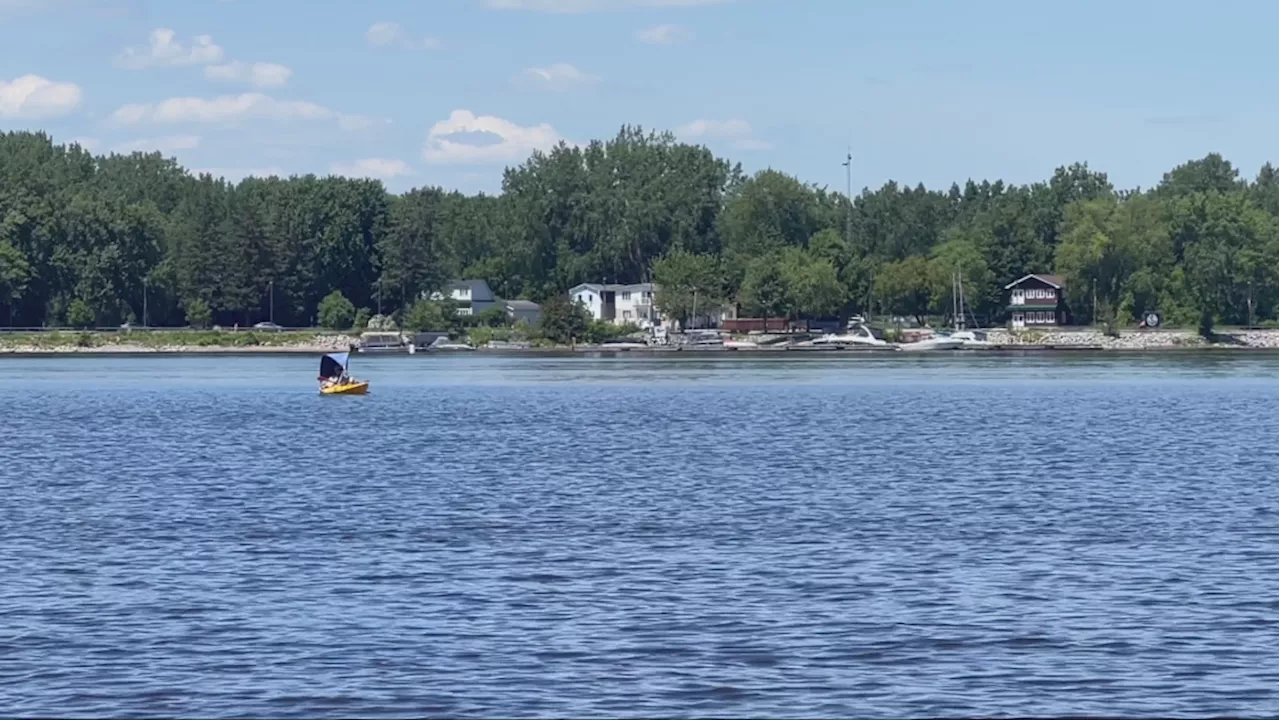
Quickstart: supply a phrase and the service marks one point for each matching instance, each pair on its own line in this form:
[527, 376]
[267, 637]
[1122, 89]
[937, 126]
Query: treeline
[83, 238]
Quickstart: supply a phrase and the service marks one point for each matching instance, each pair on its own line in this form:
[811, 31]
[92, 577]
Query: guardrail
[156, 328]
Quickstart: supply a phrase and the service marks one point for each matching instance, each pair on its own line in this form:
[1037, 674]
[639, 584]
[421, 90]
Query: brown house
[1036, 301]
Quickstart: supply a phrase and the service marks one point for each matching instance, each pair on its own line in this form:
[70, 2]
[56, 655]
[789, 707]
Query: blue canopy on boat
[333, 364]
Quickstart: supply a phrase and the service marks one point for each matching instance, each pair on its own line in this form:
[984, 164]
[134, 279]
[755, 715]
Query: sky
[449, 92]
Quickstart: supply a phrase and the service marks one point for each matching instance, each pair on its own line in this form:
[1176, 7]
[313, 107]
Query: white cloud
[258, 74]
[32, 97]
[557, 77]
[387, 34]
[164, 50]
[665, 35]
[228, 109]
[737, 132]
[567, 7]
[167, 145]
[513, 142]
[380, 168]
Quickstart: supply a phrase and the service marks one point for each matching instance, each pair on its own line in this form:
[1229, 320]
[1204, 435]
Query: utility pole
[1095, 302]
[145, 281]
[271, 301]
[848, 183]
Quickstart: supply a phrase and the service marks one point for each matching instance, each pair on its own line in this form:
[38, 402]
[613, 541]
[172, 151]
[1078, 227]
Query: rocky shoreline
[1151, 340]
[316, 344]
[1139, 340]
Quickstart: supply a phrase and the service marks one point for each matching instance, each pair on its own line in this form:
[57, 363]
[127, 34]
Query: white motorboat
[741, 345]
[940, 342]
[857, 335]
[970, 340]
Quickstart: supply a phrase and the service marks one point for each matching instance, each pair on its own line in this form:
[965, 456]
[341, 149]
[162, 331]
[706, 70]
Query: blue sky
[447, 92]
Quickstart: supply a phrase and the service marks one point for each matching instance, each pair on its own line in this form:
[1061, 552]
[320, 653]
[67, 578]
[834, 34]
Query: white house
[473, 296]
[618, 303]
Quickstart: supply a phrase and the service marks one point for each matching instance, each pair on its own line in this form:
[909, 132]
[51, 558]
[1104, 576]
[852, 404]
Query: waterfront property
[618, 303]
[472, 296]
[523, 311]
[1037, 301]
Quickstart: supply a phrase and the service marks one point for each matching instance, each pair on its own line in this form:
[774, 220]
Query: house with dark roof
[472, 296]
[1036, 301]
[526, 311]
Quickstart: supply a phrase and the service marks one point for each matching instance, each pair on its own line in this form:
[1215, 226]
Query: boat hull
[932, 344]
[354, 388]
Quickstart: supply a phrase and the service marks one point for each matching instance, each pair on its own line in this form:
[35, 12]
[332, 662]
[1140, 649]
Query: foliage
[427, 315]
[637, 207]
[686, 283]
[564, 321]
[199, 315]
[336, 312]
[79, 314]
[361, 320]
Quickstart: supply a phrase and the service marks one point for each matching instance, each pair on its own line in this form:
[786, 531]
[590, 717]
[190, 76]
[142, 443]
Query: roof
[1054, 280]
[477, 287]
[522, 305]
[614, 287]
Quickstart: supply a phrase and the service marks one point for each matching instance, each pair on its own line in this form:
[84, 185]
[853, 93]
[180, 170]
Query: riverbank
[173, 342]
[310, 343]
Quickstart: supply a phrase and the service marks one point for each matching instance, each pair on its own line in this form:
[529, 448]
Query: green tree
[764, 290]
[426, 315]
[811, 286]
[79, 314]
[198, 312]
[686, 284]
[907, 287]
[15, 273]
[336, 312]
[563, 321]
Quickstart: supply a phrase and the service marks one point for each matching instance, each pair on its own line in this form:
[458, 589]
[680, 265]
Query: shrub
[362, 319]
[79, 314]
[428, 315]
[198, 313]
[336, 312]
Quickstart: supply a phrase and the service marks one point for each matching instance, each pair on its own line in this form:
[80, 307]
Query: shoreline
[1079, 341]
[1006, 350]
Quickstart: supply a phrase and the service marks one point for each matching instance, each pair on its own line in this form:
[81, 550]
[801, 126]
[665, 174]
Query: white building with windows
[618, 303]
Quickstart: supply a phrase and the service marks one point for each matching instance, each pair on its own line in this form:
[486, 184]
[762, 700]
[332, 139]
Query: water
[736, 536]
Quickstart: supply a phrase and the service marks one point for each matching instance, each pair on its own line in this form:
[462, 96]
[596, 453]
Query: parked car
[267, 326]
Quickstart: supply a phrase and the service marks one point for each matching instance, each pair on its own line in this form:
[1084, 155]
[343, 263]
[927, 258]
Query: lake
[681, 536]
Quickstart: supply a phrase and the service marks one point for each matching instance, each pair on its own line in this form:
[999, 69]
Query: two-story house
[472, 296]
[618, 303]
[1037, 301]
[475, 296]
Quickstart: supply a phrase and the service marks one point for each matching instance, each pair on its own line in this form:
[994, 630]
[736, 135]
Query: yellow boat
[334, 379]
[358, 387]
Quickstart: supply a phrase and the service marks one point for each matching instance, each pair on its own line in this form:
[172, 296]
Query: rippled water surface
[735, 536]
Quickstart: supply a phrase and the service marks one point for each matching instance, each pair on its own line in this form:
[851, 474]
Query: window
[626, 296]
